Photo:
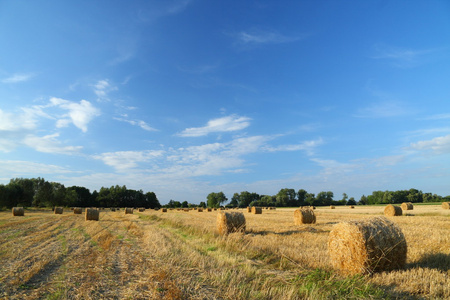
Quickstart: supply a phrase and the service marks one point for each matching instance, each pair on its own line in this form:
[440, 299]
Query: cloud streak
[224, 124]
[16, 78]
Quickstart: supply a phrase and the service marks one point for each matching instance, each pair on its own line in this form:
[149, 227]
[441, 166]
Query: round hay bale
[200, 209]
[128, 210]
[367, 246]
[58, 210]
[163, 209]
[141, 209]
[113, 209]
[304, 216]
[92, 214]
[77, 210]
[256, 210]
[446, 205]
[352, 206]
[407, 206]
[332, 207]
[208, 209]
[391, 210]
[228, 222]
[249, 209]
[18, 211]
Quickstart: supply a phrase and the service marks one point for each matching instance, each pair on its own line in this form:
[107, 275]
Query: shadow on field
[289, 232]
[438, 261]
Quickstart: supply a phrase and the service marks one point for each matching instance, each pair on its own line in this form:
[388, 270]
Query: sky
[188, 97]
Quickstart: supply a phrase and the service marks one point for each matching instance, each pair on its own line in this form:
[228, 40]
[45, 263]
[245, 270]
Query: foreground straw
[367, 246]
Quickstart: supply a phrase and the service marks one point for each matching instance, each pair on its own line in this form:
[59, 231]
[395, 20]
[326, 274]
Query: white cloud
[124, 160]
[15, 122]
[224, 124]
[257, 36]
[17, 78]
[307, 146]
[139, 123]
[49, 144]
[102, 88]
[385, 109]
[19, 168]
[401, 57]
[80, 114]
[438, 145]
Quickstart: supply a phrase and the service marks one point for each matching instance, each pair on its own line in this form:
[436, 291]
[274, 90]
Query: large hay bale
[228, 222]
[367, 246]
[128, 210]
[304, 216]
[249, 209]
[141, 209]
[58, 210]
[407, 206]
[163, 209]
[446, 205]
[77, 210]
[18, 211]
[92, 214]
[256, 210]
[208, 209]
[391, 210]
[200, 209]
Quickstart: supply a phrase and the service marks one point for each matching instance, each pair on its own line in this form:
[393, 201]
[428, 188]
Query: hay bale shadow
[438, 261]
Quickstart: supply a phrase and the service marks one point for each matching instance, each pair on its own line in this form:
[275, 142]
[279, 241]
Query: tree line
[37, 192]
[287, 197]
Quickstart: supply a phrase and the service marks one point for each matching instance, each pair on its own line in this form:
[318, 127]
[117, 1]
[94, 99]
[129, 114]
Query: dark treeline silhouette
[37, 192]
[290, 198]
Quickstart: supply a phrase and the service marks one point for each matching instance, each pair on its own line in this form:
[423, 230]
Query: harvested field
[175, 255]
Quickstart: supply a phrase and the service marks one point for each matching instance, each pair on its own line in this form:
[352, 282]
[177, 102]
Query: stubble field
[179, 255]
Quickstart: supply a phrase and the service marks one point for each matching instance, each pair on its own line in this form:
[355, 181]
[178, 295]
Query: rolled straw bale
[18, 211]
[304, 216]
[77, 210]
[58, 210]
[141, 209]
[113, 209]
[92, 214]
[351, 206]
[407, 206]
[367, 246]
[332, 207]
[228, 222]
[256, 210]
[209, 209]
[249, 209]
[200, 209]
[163, 209]
[391, 210]
[128, 210]
[446, 205]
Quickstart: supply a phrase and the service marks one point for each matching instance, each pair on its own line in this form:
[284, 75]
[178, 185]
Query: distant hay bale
[228, 222]
[391, 210]
[92, 214]
[200, 209]
[332, 207]
[186, 209]
[77, 210]
[208, 209]
[351, 206]
[304, 216]
[367, 246]
[446, 205]
[18, 211]
[272, 208]
[58, 210]
[407, 206]
[163, 209]
[113, 209]
[249, 209]
[141, 209]
[128, 210]
[256, 210]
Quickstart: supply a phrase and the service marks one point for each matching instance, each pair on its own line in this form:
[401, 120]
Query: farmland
[179, 255]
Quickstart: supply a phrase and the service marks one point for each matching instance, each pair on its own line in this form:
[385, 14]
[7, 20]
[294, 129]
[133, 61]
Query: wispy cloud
[15, 78]
[139, 123]
[401, 57]
[124, 160]
[49, 144]
[259, 37]
[384, 109]
[102, 88]
[20, 168]
[224, 124]
[438, 145]
[307, 146]
[80, 114]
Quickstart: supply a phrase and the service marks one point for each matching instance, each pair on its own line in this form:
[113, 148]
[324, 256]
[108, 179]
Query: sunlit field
[180, 255]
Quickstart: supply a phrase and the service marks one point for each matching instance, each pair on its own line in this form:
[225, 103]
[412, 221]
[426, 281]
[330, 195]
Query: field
[179, 255]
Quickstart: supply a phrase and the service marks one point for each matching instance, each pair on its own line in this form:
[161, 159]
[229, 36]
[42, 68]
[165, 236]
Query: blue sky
[184, 98]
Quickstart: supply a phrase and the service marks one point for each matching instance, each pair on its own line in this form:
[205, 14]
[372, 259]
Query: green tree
[286, 197]
[216, 199]
[301, 197]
